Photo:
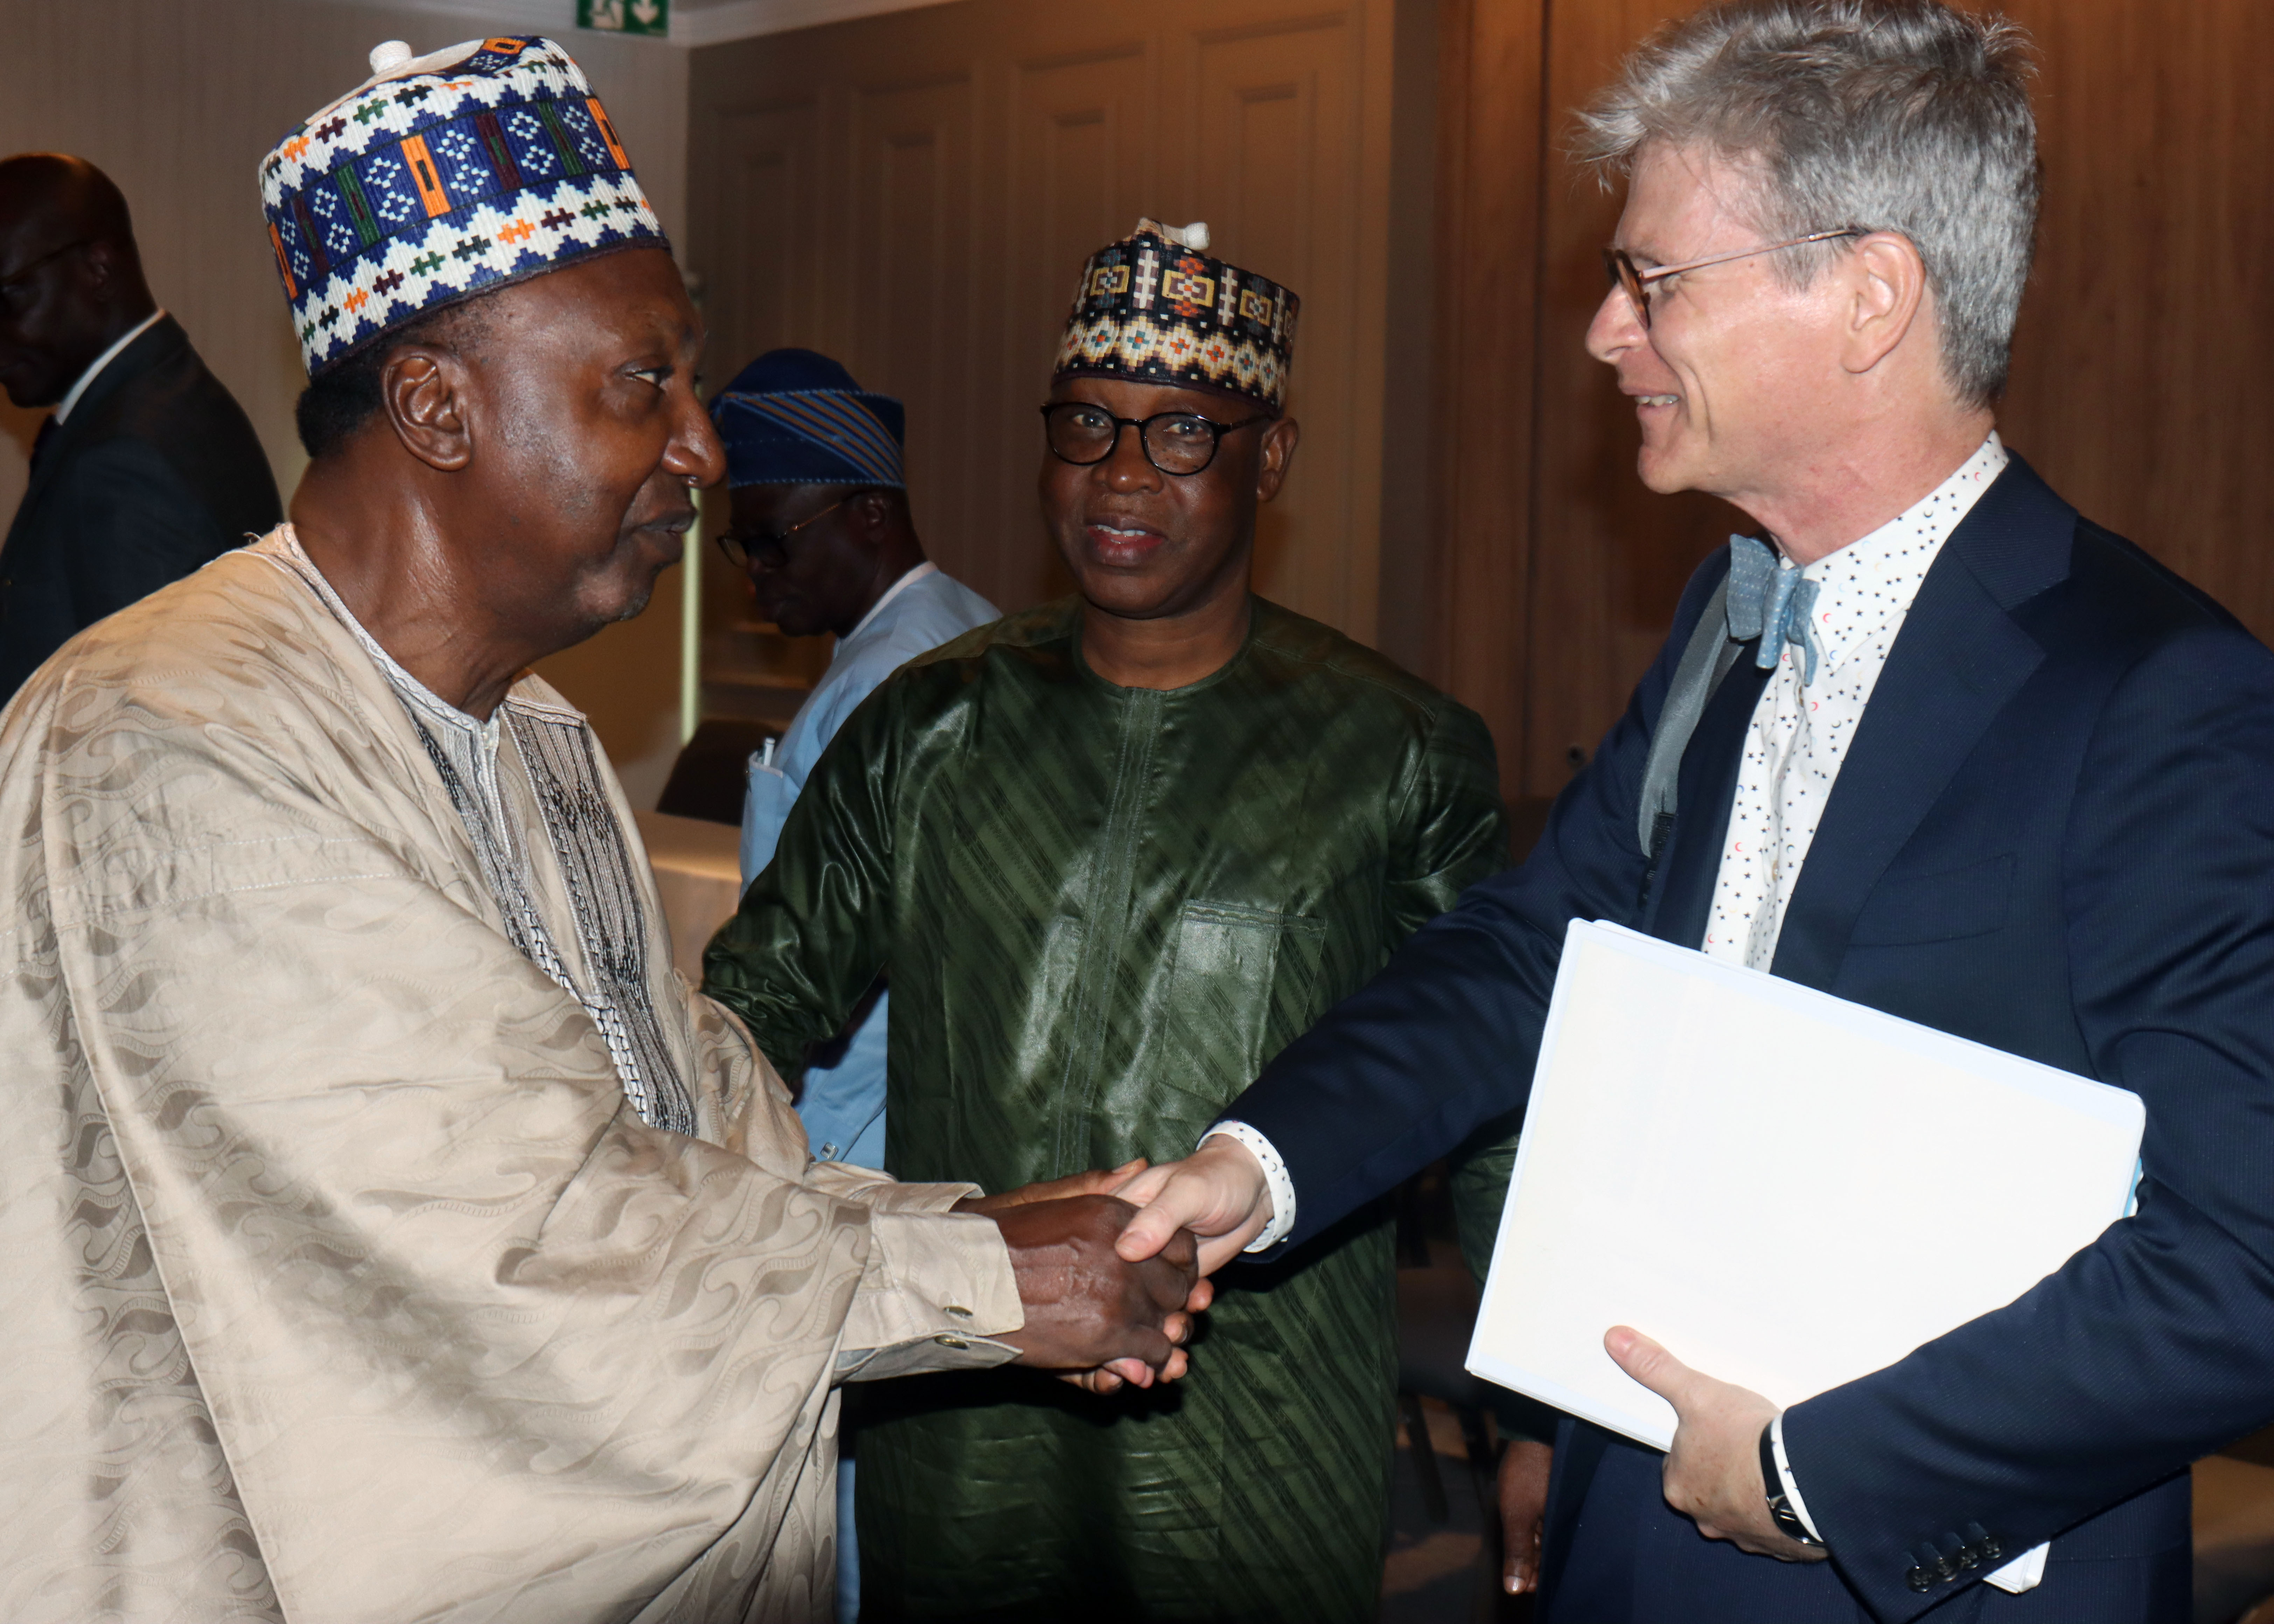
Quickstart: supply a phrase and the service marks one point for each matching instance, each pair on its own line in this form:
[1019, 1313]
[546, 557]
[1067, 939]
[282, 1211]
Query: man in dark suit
[1971, 760]
[148, 466]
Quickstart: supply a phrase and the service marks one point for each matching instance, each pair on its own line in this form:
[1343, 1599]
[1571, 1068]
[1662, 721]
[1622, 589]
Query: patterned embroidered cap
[438, 177]
[792, 417]
[1154, 308]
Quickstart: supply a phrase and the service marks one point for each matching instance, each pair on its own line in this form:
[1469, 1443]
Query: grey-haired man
[2001, 773]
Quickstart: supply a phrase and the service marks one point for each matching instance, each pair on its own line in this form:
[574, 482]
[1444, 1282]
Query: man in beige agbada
[386, 1231]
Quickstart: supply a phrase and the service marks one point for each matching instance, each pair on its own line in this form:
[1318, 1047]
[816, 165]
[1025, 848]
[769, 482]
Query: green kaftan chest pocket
[1239, 988]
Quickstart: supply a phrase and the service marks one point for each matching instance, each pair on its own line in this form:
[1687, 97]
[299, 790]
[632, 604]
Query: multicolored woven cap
[442, 177]
[1154, 308]
[793, 417]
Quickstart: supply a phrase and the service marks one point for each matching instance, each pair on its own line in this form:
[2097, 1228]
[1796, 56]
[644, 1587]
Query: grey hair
[1902, 116]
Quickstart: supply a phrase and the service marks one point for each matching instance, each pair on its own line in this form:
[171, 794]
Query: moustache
[678, 518]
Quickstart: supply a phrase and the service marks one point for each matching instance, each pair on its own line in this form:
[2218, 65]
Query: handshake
[1097, 1315]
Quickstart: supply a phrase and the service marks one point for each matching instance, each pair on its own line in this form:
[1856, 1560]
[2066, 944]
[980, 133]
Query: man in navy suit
[1969, 759]
[148, 468]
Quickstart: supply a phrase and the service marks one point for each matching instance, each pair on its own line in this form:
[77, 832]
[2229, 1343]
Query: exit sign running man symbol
[651, 17]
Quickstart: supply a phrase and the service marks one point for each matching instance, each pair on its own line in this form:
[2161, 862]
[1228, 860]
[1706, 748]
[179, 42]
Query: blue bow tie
[1771, 604]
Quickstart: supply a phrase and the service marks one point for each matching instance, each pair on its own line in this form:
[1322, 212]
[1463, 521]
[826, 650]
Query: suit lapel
[164, 336]
[1684, 899]
[1957, 662]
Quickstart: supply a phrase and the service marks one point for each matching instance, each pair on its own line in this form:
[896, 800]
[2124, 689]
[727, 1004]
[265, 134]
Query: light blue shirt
[843, 1105]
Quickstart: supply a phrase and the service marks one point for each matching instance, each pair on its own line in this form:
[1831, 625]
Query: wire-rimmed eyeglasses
[741, 549]
[1636, 282]
[1182, 443]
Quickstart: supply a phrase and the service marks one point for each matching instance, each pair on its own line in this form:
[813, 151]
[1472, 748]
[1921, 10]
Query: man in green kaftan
[1112, 854]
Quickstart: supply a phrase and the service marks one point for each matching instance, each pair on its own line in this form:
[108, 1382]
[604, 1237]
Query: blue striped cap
[792, 417]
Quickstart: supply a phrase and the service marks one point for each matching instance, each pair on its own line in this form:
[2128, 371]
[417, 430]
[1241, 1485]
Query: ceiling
[693, 22]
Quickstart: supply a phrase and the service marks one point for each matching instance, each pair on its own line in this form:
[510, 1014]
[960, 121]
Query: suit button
[951, 1341]
[1919, 1579]
[1985, 1543]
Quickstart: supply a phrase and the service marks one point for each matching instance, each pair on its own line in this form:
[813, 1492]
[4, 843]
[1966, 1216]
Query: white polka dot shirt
[1800, 733]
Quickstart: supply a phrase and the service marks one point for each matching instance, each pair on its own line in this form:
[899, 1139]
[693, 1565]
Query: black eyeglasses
[1636, 282]
[17, 277]
[1181, 443]
[741, 549]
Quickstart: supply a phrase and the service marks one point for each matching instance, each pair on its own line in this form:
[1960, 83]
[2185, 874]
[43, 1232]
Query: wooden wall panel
[1609, 558]
[1487, 250]
[2138, 381]
[1407, 618]
[773, 155]
[910, 290]
[1274, 161]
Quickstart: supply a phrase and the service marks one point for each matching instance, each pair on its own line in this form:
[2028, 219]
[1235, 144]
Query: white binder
[1787, 1190]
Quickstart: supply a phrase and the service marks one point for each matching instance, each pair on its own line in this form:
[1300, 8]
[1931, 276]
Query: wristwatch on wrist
[1780, 1511]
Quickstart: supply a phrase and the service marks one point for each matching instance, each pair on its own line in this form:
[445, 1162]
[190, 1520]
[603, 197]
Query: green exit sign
[625, 16]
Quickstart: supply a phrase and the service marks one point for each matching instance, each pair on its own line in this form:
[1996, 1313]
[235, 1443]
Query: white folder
[1788, 1190]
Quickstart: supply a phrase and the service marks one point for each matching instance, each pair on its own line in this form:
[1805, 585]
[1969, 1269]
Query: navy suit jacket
[156, 472]
[2054, 834]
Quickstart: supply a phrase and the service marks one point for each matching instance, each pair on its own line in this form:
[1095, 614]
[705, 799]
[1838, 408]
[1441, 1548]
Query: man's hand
[1713, 1471]
[1111, 1377]
[1218, 1192]
[1524, 1467]
[1086, 1307]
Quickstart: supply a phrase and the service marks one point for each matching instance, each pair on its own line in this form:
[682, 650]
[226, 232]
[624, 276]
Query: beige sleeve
[881, 1192]
[937, 1285]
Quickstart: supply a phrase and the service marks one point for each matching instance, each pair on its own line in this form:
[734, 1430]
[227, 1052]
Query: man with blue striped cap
[820, 524]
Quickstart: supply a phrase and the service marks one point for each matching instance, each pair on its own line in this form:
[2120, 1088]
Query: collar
[1869, 584]
[422, 700]
[898, 587]
[63, 409]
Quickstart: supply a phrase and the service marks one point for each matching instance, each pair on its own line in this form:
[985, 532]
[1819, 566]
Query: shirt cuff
[1281, 1187]
[937, 1291]
[2025, 1572]
[1791, 1489]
